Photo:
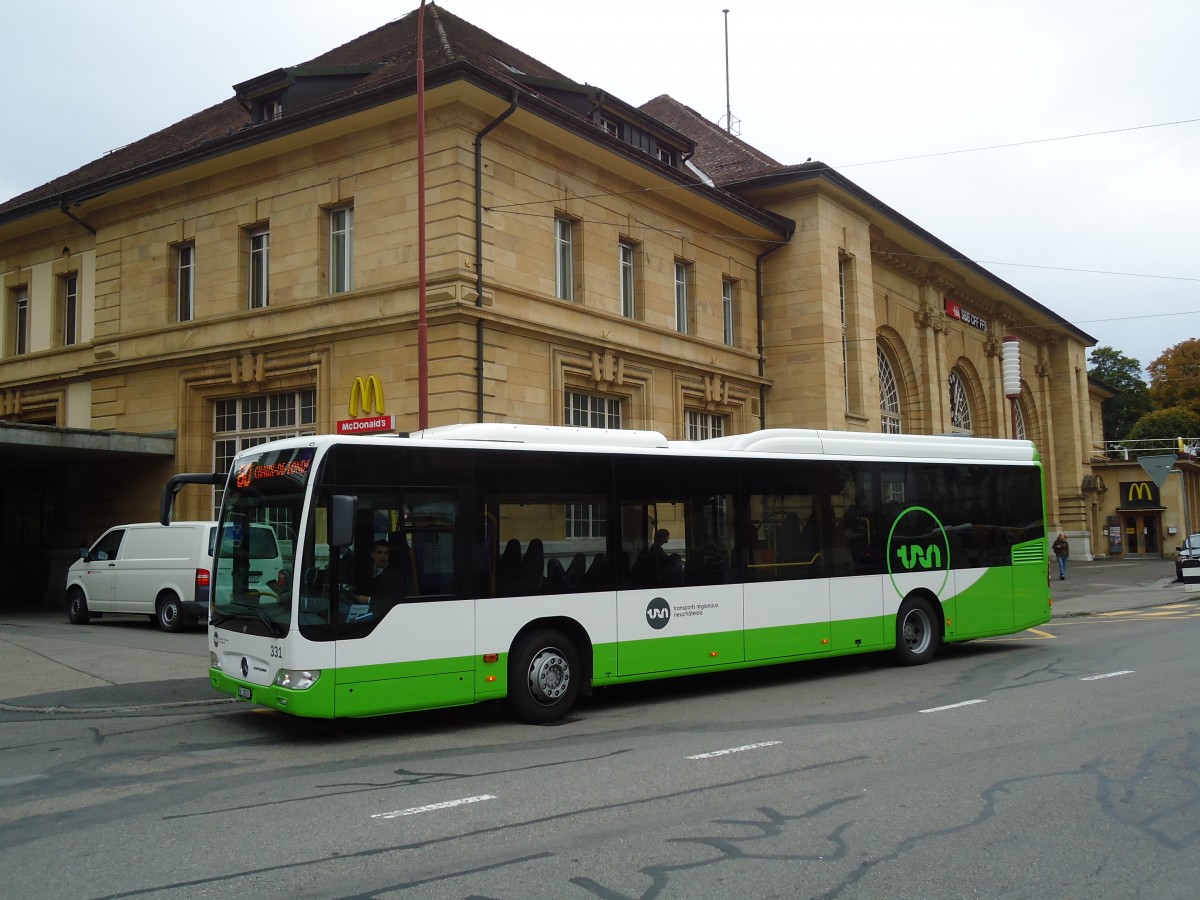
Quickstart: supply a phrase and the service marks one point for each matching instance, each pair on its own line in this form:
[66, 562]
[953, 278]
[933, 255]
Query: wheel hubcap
[916, 632]
[549, 675]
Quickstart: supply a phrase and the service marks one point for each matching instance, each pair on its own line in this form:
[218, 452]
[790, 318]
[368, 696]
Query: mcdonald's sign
[366, 409]
[1135, 494]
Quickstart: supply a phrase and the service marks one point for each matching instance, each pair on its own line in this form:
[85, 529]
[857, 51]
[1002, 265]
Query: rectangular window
[611, 126]
[185, 282]
[701, 425]
[586, 520]
[242, 422]
[591, 411]
[20, 320]
[341, 250]
[564, 259]
[727, 311]
[69, 292]
[260, 267]
[683, 273]
[628, 282]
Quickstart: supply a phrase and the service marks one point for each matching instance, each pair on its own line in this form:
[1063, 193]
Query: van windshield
[254, 542]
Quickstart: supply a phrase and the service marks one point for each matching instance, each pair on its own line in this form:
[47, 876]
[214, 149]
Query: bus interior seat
[577, 569]
[597, 574]
[533, 567]
[556, 577]
[508, 568]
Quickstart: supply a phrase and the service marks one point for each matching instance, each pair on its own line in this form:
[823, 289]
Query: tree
[1131, 400]
[1166, 424]
[1175, 377]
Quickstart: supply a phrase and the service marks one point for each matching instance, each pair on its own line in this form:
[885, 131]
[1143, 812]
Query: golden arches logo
[366, 395]
[1140, 490]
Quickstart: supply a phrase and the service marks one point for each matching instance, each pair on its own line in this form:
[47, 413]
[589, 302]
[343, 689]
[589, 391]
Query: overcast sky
[1091, 208]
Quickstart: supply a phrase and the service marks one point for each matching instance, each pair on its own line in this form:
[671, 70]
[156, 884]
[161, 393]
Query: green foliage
[1123, 375]
[1175, 377]
[1166, 424]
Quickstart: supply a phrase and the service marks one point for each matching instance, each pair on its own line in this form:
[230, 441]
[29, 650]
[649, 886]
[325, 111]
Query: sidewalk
[1106, 585]
[123, 663]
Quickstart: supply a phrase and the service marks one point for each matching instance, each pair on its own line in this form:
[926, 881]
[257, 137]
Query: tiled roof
[391, 49]
[722, 156]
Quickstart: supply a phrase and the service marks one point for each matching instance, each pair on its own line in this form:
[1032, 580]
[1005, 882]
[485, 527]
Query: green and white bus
[531, 564]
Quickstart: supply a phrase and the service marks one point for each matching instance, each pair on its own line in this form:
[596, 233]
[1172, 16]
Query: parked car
[162, 571]
[1187, 554]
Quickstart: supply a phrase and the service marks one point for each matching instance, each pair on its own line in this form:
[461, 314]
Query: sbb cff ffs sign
[366, 409]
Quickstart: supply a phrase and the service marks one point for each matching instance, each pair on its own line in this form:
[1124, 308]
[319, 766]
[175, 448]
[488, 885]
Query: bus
[531, 564]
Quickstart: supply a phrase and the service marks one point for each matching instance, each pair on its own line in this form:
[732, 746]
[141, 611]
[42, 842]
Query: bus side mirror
[342, 509]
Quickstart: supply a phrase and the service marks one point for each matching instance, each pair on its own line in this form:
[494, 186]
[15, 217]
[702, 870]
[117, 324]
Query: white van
[161, 571]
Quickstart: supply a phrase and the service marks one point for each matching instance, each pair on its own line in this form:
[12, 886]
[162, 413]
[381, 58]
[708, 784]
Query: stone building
[588, 262]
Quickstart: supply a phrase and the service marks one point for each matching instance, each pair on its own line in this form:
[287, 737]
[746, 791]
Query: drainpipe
[479, 252]
[762, 360]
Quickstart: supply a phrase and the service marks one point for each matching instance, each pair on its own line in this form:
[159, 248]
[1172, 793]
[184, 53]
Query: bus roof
[799, 441]
[803, 442]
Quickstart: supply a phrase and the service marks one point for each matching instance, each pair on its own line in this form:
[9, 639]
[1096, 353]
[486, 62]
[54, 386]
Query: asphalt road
[1060, 762]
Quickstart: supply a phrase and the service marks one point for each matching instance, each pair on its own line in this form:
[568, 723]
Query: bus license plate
[243, 693]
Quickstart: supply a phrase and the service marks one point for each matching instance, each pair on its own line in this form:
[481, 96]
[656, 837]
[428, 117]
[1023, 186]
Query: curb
[128, 708]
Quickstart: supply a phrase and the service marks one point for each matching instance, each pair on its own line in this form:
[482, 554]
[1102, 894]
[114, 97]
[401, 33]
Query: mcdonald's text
[366, 425]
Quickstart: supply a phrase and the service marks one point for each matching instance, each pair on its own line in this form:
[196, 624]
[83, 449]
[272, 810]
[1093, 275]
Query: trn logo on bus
[912, 556]
[658, 613]
[918, 545]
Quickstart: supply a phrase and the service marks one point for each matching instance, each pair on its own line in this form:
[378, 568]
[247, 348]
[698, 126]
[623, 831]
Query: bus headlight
[297, 679]
[214, 661]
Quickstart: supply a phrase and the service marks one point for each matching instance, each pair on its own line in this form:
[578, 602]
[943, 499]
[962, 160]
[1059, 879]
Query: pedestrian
[1061, 550]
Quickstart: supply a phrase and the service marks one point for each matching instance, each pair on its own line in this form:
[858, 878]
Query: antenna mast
[728, 110]
[728, 114]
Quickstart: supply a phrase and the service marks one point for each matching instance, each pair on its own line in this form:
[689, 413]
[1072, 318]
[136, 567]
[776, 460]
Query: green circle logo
[921, 546]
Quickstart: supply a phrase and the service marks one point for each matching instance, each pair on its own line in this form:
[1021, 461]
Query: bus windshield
[254, 543]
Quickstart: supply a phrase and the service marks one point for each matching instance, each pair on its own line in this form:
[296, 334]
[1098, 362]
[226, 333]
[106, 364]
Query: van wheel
[77, 608]
[543, 677]
[917, 638]
[170, 612]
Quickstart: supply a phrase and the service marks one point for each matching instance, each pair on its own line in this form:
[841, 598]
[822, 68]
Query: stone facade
[766, 302]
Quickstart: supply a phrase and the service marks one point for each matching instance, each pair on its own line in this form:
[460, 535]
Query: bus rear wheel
[917, 636]
[543, 677]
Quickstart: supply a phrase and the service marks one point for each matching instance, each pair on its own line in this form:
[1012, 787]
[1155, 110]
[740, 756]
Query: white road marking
[1107, 675]
[735, 750]
[953, 706]
[448, 804]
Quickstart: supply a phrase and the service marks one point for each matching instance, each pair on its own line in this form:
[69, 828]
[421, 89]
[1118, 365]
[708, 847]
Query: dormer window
[611, 126]
[666, 155]
[271, 109]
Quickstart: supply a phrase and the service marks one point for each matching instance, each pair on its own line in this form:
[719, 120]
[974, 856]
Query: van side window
[107, 546]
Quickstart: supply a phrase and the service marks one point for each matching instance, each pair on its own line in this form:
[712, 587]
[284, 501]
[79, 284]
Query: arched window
[1019, 413]
[960, 408]
[889, 396]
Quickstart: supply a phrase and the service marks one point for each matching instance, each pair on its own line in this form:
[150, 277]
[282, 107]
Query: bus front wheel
[543, 677]
[916, 632]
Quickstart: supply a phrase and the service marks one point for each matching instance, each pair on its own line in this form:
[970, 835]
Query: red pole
[422, 326]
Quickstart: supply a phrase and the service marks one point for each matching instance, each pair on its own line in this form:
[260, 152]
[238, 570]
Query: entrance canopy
[36, 444]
